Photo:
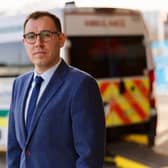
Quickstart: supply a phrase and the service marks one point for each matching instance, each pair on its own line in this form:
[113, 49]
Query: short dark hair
[37, 14]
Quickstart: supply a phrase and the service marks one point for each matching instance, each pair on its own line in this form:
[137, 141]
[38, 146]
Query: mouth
[39, 53]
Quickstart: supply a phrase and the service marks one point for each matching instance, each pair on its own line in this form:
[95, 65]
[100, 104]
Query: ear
[61, 39]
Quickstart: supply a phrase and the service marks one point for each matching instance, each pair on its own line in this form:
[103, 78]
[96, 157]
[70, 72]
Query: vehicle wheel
[152, 131]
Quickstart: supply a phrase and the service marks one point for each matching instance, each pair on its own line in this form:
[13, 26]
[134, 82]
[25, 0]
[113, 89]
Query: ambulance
[111, 44]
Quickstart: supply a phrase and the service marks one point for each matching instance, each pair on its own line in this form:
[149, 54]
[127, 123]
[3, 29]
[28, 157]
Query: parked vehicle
[113, 46]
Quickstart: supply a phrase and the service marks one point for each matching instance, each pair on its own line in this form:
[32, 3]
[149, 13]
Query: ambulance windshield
[104, 57]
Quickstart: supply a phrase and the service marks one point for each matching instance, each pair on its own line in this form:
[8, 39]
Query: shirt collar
[48, 74]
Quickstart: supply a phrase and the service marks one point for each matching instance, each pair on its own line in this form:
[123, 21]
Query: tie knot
[38, 80]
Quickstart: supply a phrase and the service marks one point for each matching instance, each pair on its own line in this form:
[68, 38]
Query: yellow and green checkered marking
[3, 118]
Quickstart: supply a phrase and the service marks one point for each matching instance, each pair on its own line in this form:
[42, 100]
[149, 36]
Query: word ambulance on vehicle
[113, 46]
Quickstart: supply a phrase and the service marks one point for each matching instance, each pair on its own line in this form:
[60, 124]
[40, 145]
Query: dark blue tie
[33, 101]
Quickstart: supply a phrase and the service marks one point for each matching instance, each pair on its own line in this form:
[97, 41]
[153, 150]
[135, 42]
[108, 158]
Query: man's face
[43, 54]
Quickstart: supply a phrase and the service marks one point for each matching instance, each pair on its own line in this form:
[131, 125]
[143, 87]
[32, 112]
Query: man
[57, 122]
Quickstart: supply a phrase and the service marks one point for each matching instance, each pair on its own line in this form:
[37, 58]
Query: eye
[30, 36]
[45, 34]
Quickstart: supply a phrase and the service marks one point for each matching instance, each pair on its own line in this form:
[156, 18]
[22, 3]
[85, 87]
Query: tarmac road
[135, 155]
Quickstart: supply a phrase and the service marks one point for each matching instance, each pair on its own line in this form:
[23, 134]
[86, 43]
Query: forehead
[42, 23]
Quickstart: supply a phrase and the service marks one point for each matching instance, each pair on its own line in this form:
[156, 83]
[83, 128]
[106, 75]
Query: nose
[38, 41]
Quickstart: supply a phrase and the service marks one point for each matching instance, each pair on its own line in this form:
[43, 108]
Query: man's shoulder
[78, 73]
[24, 76]
[79, 77]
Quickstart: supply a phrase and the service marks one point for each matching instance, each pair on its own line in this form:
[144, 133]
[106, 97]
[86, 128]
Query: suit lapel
[51, 89]
[23, 97]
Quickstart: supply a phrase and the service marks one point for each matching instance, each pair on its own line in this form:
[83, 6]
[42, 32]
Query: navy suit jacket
[68, 125]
